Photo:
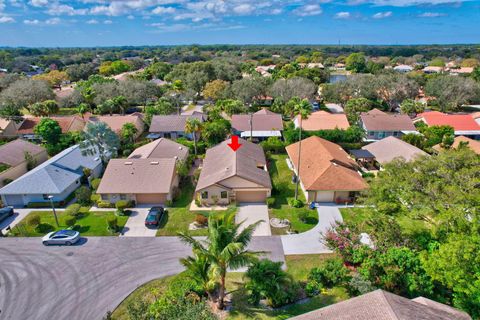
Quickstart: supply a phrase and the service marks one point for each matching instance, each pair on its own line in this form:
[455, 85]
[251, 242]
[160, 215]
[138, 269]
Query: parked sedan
[67, 237]
[5, 212]
[154, 216]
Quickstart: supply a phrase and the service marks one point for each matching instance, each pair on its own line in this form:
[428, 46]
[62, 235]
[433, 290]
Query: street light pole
[53, 208]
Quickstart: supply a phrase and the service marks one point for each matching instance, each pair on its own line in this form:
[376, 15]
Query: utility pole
[251, 126]
[53, 208]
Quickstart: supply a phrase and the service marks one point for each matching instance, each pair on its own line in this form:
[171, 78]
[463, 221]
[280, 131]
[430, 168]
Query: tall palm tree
[193, 125]
[302, 110]
[198, 269]
[225, 248]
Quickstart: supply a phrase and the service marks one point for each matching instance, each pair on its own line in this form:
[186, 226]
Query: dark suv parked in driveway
[5, 213]
[154, 216]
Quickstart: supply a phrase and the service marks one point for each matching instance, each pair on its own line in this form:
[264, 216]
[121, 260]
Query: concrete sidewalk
[251, 213]
[309, 242]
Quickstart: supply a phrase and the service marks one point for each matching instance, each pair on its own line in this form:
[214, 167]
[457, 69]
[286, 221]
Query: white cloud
[6, 19]
[39, 3]
[382, 15]
[131, 17]
[343, 15]
[406, 3]
[107, 22]
[92, 21]
[53, 21]
[61, 9]
[431, 15]
[276, 11]
[243, 9]
[31, 22]
[308, 10]
[163, 10]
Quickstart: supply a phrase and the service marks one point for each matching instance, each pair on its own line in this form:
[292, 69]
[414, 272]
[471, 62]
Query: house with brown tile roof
[323, 120]
[13, 157]
[172, 126]
[229, 176]
[148, 176]
[462, 124]
[390, 148]
[9, 128]
[327, 173]
[261, 125]
[383, 305]
[116, 122]
[474, 145]
[378, 124]
[67, 123]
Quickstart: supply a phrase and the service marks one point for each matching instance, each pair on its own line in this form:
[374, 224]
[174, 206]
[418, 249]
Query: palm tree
[225, 248]
[83, 108]
[198, 269]
[193, 125]
[302, 110]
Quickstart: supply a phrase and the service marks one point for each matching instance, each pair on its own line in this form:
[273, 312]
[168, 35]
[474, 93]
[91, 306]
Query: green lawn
[283, 188]
[90, 224]
[300, 265]
[179, 217]
[359, 217]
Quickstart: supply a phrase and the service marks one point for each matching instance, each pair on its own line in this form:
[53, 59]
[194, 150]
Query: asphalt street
[86, 280]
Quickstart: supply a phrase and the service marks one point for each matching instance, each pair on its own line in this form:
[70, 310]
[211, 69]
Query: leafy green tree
[286, 89]
[162, 107]
[194, 126]
[158, 70]
[129, 132]
[451, 92]
[330, 273]
[302, 111]
[215, 89]
[354, 107]
[43, 109]
[476, 74]
[216, 131]
[356, 62]
[82, 109]
[410, 106]
[49, 130]
[231, 107]
[25, 92]
[100, 140]
[225, 248]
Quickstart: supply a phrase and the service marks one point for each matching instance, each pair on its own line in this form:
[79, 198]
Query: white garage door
[14, 200]
[251, 196]
[325, 196]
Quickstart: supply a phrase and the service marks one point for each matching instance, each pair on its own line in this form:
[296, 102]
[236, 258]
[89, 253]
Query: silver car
[67, 237]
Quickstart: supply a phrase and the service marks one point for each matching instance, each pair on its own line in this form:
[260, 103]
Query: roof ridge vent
[154, 162]
[128, 163]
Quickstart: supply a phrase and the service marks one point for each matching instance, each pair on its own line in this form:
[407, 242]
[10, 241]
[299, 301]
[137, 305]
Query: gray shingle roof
[390, 148]
[172, 122]
[383, 305]
[160, 149]
[13, 153]
[221, 163]
[54, 175]
[376, 120]
[260, 121]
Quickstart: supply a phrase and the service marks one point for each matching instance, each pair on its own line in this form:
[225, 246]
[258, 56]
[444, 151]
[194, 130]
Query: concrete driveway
[251, 213]
[310, 242]
[85, 281]
[135, 226]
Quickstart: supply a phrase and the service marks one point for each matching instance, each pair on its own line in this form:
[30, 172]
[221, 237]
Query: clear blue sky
[159, 22]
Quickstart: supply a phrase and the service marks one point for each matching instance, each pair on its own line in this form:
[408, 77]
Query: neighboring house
[474, 145]
[13, 159]
[9, 128]
[265, 70]
[116, 122]
[378, 124]
[476, 117]
[432, 69]
[67, 123]
[172, 126]
[462, 124]
[383, 305]
[229, 176]
[390, 148]
[464, 70]
[327, 173]
[323, 120]
[58, 177]
[403, 68]
[148, 176]
[261, 125]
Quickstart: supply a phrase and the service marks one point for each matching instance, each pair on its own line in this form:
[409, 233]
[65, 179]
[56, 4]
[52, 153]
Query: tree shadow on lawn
[81, 229]
[164, 220]
[44, 228]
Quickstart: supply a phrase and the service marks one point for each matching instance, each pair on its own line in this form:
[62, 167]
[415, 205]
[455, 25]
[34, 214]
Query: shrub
[267, 280]
[121, 205]
[303, 216]
[95, 183]
[105, 204]
[33, 221]
[201, 219]
[168, 203]
[95, 198]
[273, 145]
[73, 210]
[295, 203]
[70, 221]
[313, 288]
[332, 273]
[368, 175]
[83, 195]
[270, 202]
[112, 223]
[358, 285]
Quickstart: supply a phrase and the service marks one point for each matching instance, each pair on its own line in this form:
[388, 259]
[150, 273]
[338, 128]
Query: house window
[395, 133]
[45, 197]
[205, 195]
[224, 194]
[123, 197]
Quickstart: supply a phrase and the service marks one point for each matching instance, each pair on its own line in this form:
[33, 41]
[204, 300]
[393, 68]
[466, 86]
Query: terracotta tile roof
[390, 148]
[138, 176]
[221, 163]
[459, 122]
[159, 149]
[475, 115]
[172, 123]
[322, 120]
[376, 120]
[13, 153]
[67, 123]
[116, 122]
[383, 305]
[472, 144]
[325, 166]
[263, 120]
